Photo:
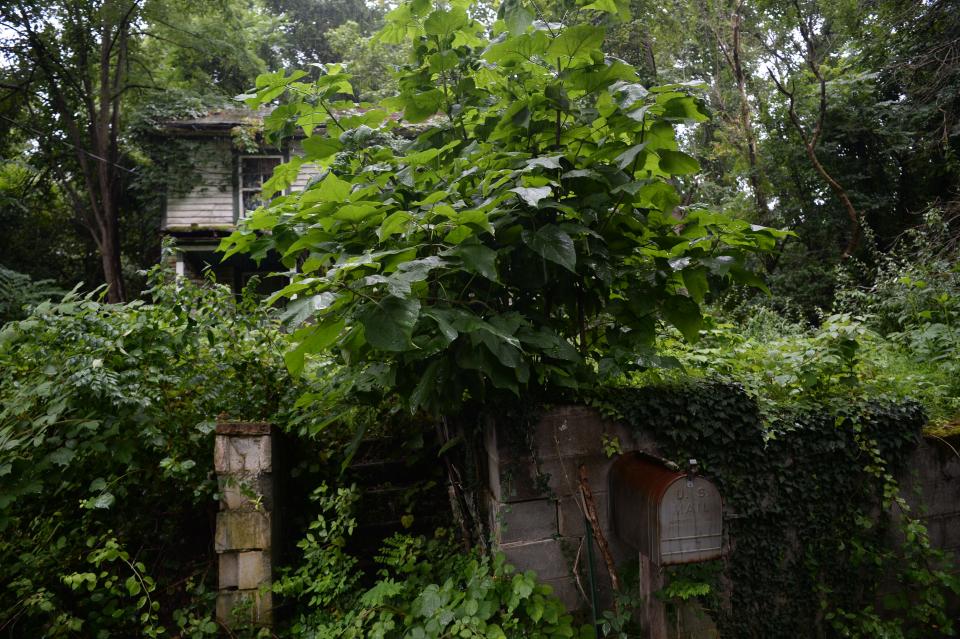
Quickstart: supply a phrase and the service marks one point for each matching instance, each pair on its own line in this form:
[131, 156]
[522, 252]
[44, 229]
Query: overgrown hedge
[106, 420]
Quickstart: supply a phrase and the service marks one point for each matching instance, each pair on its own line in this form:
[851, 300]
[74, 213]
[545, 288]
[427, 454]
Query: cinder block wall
[533, 495]
[931, 485]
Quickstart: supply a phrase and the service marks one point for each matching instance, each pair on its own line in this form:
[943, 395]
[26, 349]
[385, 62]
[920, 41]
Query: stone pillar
[243, 460]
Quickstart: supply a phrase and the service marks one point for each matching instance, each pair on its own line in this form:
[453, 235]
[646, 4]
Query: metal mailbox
[671, 517]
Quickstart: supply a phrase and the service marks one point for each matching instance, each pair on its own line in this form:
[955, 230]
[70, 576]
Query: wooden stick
[590, 510]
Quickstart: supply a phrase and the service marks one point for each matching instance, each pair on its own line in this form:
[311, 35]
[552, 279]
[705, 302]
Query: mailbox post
[668, 517]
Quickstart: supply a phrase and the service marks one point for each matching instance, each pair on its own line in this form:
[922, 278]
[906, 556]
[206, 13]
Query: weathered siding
[307, 171]
[210, 203]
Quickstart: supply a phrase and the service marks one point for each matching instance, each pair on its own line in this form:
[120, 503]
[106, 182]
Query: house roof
[219, 122]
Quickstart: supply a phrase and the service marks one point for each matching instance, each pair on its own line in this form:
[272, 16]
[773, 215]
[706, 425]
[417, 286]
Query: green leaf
[627, 158]
[546, 162]
[550, 344]
[695, 279]
[425, 388]
[532, 195]
[320, 148]
[518, 48]
[393, 224]
[331, 189]
[104, 500]
[355, 212]
[478, 258]
[312, 339]
[133, 586]
[388, 324]
[677, 162]
[576, 43]
[443, 23]
[553, 244]
[62, 456]
[418, 107]
[684, 313]
[684, 108]
[608, 6]
[283, 176]
[516, 16]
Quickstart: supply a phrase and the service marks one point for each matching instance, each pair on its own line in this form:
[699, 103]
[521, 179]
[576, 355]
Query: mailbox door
[691, 515]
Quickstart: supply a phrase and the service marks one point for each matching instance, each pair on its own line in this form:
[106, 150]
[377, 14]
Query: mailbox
[671, 517]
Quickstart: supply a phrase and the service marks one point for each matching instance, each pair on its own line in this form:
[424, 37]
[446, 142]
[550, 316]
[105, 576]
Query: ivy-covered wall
[813, 509]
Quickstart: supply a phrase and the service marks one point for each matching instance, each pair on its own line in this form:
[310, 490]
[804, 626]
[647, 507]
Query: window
[254, 171]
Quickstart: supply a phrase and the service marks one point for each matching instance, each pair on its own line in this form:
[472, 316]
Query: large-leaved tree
[529, 236]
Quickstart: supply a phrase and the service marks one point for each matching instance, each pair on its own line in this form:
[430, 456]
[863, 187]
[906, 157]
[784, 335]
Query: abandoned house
[227, 169]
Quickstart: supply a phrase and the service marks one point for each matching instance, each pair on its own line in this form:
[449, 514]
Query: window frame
[240, 212]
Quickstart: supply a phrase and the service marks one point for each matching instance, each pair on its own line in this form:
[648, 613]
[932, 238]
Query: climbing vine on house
[532, 235]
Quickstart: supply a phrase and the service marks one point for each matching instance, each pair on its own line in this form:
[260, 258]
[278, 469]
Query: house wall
[307, 171]
[210, 203]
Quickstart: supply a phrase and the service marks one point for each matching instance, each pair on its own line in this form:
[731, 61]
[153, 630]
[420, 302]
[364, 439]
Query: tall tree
[72, 59]
[308, 21]
[74, 76]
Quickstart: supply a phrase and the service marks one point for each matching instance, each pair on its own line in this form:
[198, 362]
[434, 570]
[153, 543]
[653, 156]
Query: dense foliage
[519, 213]
[106, 428]
[892, 334]
[530, 236]
[18, 291]
[423, 588]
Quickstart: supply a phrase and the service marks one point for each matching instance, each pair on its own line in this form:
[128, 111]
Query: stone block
[575, 431]
[253, 569]
[522, 480]
[565, 589]
[241, 492]
[525, 520]
[242, 530]
[228, 571]
[244, 429]
[246, 455]
[564, 474]
[236, 607]
[570, 515]
[550, 558]
[515, 480]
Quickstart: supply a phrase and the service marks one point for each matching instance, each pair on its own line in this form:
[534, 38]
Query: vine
[811, 506]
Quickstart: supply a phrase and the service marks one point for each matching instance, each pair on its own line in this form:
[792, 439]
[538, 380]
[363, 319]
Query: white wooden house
[224, 187]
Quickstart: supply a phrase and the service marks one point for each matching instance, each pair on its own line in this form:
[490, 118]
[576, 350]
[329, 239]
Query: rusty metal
[669, 516]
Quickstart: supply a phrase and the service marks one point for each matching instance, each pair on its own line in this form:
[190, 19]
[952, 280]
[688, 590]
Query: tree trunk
[756, 175]
[86, 97]
[110, 259]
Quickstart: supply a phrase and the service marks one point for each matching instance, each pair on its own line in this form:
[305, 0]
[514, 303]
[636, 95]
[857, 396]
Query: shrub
[105, 432]
[424, 588]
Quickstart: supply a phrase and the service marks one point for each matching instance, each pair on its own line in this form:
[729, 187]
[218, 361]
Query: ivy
[530, 236]
[811, 502]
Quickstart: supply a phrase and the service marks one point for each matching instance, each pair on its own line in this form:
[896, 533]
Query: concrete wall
[536, 520]
[533, 500]
[931, 486]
